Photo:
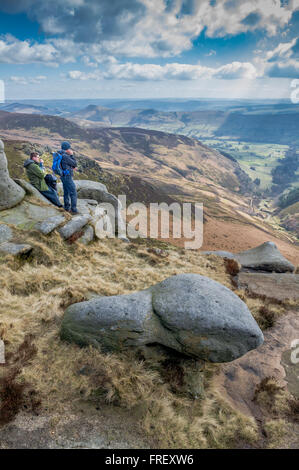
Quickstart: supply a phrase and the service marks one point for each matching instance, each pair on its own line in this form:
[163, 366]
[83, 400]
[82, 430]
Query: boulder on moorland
[188, 313]
[265, 257]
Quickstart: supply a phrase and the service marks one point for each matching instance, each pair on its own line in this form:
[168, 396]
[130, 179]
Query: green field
[256, 159]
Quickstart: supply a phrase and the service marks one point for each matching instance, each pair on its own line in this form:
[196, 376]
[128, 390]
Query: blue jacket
[68, 163]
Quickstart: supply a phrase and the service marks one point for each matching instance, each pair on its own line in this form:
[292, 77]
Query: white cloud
[282, 61]
[150, 28]
[27, 80]
[171, 71]
[14, 51]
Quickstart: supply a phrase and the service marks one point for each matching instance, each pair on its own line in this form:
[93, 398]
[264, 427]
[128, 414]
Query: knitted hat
[65, 145]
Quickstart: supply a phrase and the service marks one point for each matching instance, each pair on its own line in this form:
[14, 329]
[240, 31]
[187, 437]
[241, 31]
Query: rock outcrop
[74, 226]
[265, 257]
[10, 193]
[32, 191]
[94, 199]
[189, 313]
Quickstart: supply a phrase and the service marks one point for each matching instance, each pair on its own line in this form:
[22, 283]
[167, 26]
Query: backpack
[51, 181]
[56, 167]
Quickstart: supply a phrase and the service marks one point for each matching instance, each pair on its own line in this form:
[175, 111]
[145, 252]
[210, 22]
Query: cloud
[27, 80]
[150, 28]
[14, 51]
[282, 61]
[171, 71]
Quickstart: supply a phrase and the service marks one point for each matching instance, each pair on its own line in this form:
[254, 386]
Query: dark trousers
[52, 196]
[69, 193]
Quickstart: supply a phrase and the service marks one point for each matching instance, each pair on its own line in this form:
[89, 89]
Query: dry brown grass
[172, 399]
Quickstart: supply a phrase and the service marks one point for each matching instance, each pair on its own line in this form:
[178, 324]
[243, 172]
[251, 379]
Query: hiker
[35, 171]
[64, 164]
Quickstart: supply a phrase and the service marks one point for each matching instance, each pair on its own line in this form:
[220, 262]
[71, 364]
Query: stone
[26, 214]
[5, 233]
[276, 286]
[32, 191]
[222, 254]
[10, 193]
[265, 257]
[47, 226]
[87, 236]
[89, 187]
[86, 187]
[188, 313]
[74, 226]
[15, 249]
[207, 319]
[87, 206]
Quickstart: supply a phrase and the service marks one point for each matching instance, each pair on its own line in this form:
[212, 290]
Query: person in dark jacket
[68, 165]
[35, 173]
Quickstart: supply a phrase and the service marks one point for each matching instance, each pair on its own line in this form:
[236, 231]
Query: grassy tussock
[279, 407]
[172, 399]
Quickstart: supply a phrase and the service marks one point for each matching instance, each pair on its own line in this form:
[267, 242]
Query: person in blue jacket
[68, 165]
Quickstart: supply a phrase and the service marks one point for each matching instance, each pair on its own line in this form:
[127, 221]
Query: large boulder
[10, 193]
[265, 257]
[32, 191]
[85, 187]
[189, 313]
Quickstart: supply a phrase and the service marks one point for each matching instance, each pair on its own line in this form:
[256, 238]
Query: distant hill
[279, 128]
[26, 109]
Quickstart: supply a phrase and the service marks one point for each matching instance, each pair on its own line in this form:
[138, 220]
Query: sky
[149, 48]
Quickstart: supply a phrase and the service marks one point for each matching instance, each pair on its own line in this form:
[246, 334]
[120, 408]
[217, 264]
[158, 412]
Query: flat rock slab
[274, 285]
[237, 381]
[15, 249]
[47, 226]
[265, 257]
[188, 313]
[26, 215]
[5, 233]
[74, 225]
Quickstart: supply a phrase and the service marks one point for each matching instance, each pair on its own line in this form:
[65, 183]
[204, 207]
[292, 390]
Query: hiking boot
[74, 212]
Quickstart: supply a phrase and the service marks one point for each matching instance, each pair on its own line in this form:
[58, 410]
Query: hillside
[175, 165]
[268, 124]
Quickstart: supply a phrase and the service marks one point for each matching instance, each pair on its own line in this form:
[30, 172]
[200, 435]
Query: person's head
[69, 152]
[65, 145]
[34, 156]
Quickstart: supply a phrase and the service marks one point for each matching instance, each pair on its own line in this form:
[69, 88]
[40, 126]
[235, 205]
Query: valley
[154, 166]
